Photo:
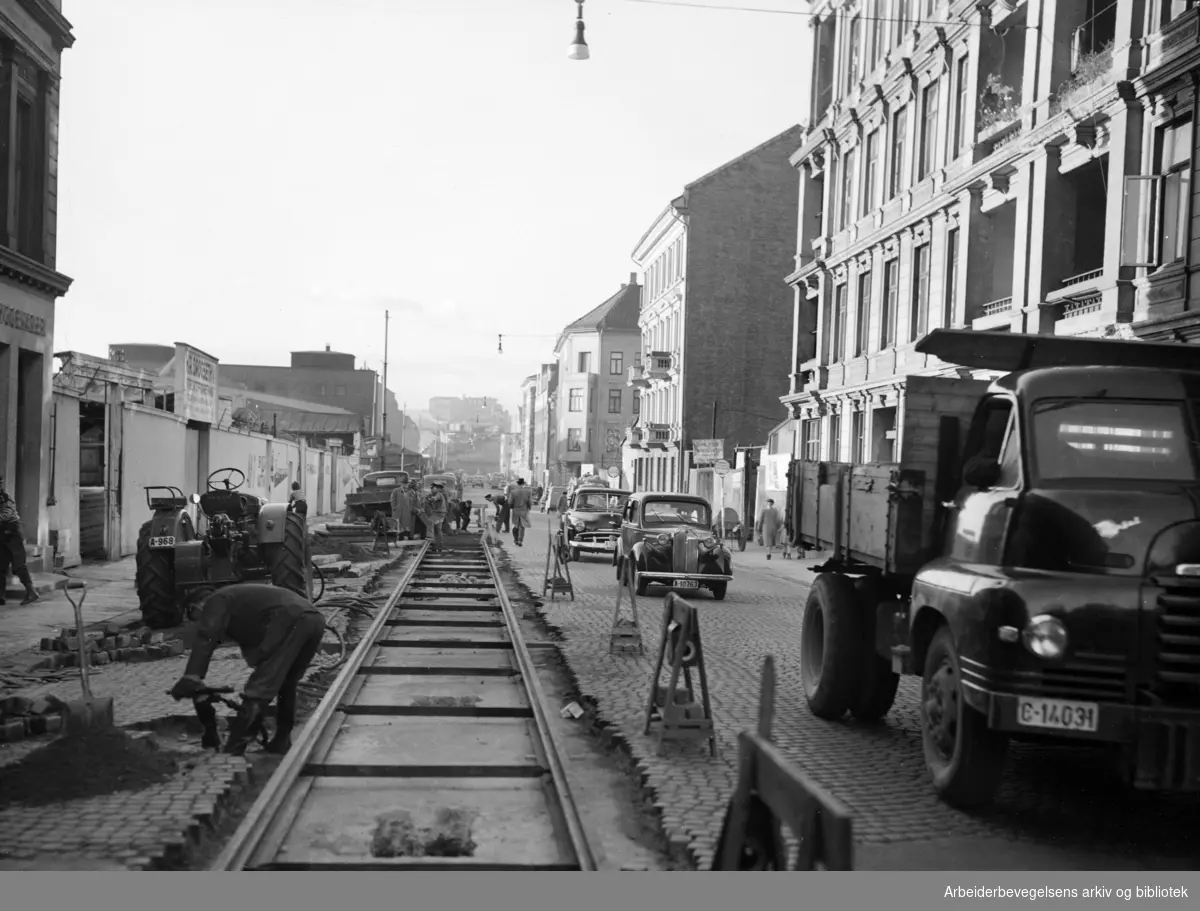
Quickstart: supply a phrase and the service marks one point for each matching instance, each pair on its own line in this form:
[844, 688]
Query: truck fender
[272, 521]
[638, 553]
[190, 563]
[925, 622]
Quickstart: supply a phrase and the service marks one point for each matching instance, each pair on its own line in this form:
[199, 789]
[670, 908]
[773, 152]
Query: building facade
[33, 36]
[543, 463]
[525, 412]
[479, 412]
[991, 166]
[596, 406]
[715, 316]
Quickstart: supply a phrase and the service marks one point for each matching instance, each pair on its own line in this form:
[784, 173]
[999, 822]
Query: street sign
[706, 452]
[721, 468]
[614, 471]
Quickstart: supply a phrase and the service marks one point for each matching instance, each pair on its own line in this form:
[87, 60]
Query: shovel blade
[87, 716]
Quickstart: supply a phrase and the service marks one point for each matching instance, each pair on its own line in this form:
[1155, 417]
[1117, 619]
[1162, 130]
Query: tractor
[246, 539]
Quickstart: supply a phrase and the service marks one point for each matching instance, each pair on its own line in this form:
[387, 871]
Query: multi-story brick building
[969, 165]
[32, 39]
[595, 407]
[716, 319]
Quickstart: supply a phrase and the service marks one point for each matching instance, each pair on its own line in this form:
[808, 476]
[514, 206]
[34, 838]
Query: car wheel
[575, 554]
[718, 589]
[964, 757]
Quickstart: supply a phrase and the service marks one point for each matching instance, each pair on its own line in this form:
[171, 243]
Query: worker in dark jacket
[296, 501]
[12, 548]
[279, 632]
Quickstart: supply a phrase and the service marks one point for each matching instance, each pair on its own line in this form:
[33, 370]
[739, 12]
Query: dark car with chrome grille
[668, 539]
[592, 522]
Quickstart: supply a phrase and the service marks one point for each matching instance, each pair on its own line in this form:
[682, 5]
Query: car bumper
[1164, 743]
[606, 547]
[678, 577]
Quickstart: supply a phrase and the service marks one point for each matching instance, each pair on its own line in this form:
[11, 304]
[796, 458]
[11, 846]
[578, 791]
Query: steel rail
[588, 850]
[264, 811]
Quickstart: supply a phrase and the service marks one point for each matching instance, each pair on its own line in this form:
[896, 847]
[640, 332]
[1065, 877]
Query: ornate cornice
[29, 272]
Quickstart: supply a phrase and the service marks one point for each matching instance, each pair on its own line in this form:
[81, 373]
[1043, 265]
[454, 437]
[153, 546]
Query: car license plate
[687, 583]
[166, 541]
[610, 545]
[1058, 715]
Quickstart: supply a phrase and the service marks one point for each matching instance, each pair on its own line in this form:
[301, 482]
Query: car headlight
[709, 543]
[580, 526]
[1045, 636]
[663, 539]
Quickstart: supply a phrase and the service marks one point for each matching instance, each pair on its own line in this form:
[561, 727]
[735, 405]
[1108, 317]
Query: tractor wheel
[288, 561]
[878, 685]
[155, 583]
[831, 646]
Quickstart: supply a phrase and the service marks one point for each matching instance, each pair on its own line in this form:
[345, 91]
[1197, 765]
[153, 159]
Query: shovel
[87, 715]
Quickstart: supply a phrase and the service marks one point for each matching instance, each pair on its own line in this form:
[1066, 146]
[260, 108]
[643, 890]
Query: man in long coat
[770, 526]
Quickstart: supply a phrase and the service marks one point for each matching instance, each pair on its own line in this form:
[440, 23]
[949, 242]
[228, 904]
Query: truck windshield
[599, 502]
[1103, 438]
[675, 512]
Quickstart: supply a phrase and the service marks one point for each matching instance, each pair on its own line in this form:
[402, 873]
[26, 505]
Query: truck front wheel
[964, 757]
[831, 646]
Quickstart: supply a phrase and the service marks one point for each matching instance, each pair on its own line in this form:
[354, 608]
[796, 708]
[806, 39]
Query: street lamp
[578, 49]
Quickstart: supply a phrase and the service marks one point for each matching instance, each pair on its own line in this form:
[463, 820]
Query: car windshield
[600, 502]
[1103, 438]
[675, 512]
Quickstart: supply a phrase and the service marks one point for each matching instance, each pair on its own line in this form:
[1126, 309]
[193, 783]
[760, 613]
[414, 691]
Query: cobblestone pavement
[1058, 808]
[136, 830]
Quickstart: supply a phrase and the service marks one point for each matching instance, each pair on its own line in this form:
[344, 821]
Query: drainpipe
[51, 500]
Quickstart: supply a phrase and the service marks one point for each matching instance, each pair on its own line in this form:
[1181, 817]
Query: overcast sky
[260, 176]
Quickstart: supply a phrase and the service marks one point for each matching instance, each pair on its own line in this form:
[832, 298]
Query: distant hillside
[484, 458]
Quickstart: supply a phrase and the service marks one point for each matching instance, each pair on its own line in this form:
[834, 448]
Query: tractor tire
[288, 561]
[155, 583]
[831, 646]
[964, 756]
[878, 685]
[718, 590]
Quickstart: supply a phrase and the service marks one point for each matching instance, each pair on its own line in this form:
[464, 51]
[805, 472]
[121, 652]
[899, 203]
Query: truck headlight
[1045, 636]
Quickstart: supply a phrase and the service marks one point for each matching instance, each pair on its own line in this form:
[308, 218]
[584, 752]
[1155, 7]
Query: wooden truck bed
[884, 514]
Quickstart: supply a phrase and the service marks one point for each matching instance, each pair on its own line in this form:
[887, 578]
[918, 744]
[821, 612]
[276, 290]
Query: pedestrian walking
[279, 632]
[296, 501]
[770, 525]
[434, 514]
[521, 502]
[12, 548]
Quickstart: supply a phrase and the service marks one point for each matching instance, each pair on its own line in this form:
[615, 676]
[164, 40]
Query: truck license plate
[687, 583]
[1057, 715]
[166, 541]
[610, 545]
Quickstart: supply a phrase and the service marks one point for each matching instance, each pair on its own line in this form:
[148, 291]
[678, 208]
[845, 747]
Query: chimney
[326, 347]
[633, 278]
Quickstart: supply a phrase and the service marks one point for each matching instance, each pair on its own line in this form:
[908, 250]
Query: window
[810, 444]
[899, 150]
[835, 438]
[862, 316]
[27, 191]
[960, 108]
[1174, 159]
[839, 323]
[951, 291]
[573, 442]
[575, 400]
[853, 38]
[616, 363]
[887, 318]
[878, 23]
[902, 20]
[1172, 9]
[637, 356]
[585, 362]
[920, 292]
[846, 203]
[614, 401]
[988, 433]
[591, 401]
[858, 442]
[870, 172]
[835, 184]
[321, 390]
[929, 104]
[637, 401]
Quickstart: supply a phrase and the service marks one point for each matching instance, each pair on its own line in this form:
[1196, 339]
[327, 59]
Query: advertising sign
[195, 384]
[706, 452]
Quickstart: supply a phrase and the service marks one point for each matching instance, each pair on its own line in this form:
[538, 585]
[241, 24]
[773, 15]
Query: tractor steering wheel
[230, 472]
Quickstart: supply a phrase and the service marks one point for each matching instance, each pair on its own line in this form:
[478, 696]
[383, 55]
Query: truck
[1033, 556]
[374, 496]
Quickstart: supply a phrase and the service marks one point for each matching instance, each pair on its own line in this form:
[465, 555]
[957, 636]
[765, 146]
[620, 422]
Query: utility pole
[714, 433]
[383, 395]
[403, 427]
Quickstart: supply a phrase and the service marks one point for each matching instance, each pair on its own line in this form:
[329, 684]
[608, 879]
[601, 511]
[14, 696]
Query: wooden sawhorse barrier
[771, 792]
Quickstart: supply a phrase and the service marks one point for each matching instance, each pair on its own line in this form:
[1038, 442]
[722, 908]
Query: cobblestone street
[1058, 808]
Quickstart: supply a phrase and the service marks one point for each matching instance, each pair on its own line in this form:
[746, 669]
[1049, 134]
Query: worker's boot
[31, 594]
[285, 722]
[244, 727]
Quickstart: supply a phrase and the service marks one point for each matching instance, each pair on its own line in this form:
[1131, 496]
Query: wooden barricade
[557, 579]
[625, 634]
[771, 792]
[681, 717]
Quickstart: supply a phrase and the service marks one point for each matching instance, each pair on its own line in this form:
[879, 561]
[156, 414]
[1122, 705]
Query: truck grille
[1177, 670]
[685, 553]
[1088, 677]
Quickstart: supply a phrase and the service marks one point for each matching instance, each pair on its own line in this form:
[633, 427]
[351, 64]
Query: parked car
[592, 522]
[668, 539]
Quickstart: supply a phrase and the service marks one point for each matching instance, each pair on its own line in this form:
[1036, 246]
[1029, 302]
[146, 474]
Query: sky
[255, 177]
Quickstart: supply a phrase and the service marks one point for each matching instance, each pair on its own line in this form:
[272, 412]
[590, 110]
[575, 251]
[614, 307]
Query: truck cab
[1059, 597]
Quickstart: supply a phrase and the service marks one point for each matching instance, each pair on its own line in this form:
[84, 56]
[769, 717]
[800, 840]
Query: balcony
[637, 376]
[636, 435]
[1175, 38]
[661, 435]
[660, 365]
[994, 315]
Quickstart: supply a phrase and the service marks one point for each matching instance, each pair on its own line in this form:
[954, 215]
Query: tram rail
[431, 750]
